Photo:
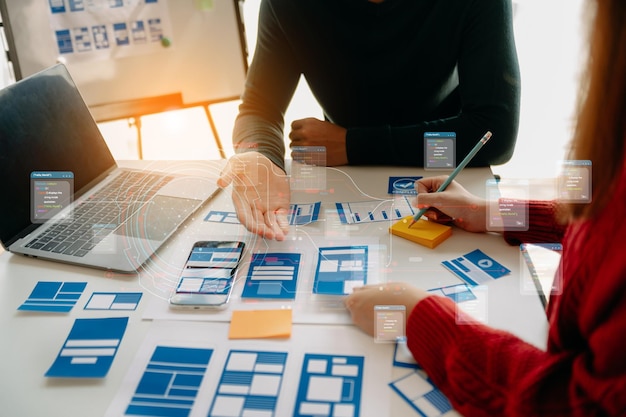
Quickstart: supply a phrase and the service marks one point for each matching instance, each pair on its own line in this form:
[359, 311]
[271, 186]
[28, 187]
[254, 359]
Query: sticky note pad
[424, 232]
[257, 324]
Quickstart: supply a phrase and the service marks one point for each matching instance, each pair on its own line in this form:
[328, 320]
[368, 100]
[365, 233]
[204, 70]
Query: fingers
[282, 220]
[226, 176]
[260, 194]
[236, 171]
[429, 184]
[273, 229]
[300, 123]
[267, 224]
[302, 130]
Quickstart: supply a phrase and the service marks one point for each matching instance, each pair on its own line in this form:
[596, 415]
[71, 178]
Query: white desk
[31, 341]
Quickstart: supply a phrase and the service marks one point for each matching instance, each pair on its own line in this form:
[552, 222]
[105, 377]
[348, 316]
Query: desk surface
[32, 341]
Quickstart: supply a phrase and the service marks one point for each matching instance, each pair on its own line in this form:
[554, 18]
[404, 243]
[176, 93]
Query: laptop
[64, 197]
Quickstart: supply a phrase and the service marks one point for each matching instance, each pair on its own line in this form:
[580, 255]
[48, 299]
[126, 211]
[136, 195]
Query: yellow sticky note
[424, 232]
[257, 324]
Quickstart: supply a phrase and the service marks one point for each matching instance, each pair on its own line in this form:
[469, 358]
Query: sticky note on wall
[424, 232]
[204, 5]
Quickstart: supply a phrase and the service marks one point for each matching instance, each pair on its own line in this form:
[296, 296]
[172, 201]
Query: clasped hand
[313, 132]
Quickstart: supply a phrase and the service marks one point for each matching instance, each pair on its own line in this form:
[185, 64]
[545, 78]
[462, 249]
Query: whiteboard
[200, 59]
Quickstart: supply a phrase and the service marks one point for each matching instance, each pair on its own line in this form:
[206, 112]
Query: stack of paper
[424, 232]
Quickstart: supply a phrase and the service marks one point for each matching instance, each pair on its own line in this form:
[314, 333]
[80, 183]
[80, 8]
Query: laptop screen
[45, 127]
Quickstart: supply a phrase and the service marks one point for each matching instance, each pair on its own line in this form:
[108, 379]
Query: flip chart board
[133, 57]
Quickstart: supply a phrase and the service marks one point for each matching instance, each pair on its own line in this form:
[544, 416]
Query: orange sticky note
[258, 324]
[424, 232]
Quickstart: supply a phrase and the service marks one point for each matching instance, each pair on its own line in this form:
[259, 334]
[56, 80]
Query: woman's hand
[454, 205]
[362, 301]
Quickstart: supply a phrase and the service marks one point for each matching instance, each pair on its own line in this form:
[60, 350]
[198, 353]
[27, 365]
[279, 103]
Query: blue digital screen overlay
[170, 383]
[340, 269]
[138, 32]
[402, 356]
[402, 185]
[476, 268]
[205, 281]
[541, 274]
[51, 192]
[82, 39]
[100, 36]
[457, 293]
[421, 394]
[507, 204]
[214, 257]
[250, 384]
[54, 297]
[77, 5]
[156, 29]
[272, 275]
[301, 214]
[113, 301]
[57, 6]
[375, 210]
[390, 322]
[218, 216]
[64, 41]
[330, 385]
[439, 150]
[89, 349]
[574, 181]
[120, 31]
[308, 170]
[210, 268]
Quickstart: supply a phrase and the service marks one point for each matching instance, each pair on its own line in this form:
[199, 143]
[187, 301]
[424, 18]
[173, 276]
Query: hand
[314, 132]
[260, 194]
[362, 301]
[455, 204]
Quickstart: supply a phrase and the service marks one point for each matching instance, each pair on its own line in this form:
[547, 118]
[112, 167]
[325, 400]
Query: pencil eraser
[424, 232]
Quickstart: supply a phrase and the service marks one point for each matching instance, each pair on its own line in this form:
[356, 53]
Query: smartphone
[541, 274]
[207, 280]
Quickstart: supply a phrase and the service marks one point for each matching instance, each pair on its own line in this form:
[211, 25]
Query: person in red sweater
[488, 372]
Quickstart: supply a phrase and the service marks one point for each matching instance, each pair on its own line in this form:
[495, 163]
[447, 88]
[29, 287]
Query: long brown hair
[601, 121]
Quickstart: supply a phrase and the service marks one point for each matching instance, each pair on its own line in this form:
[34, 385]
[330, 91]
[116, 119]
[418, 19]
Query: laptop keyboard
[95, 218]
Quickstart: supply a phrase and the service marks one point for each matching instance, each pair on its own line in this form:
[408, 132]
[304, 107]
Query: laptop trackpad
[158, 218]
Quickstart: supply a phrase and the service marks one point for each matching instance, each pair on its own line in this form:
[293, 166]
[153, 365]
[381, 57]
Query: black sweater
[387, 72]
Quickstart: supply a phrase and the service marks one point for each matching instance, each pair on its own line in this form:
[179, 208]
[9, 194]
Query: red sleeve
[488, 372]
[542, 225]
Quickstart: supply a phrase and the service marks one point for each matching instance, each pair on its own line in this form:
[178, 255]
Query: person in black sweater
[384, 72]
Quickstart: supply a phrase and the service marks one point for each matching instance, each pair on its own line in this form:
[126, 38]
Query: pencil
[454, 173]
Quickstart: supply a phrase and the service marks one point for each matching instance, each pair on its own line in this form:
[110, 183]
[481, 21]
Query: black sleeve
[488, 91]
[270, 84]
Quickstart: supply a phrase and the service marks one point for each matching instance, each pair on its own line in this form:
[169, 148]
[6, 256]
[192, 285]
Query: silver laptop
[63, 196]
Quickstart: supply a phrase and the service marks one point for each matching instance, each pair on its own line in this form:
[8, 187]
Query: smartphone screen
[540, 273]
[208, 275]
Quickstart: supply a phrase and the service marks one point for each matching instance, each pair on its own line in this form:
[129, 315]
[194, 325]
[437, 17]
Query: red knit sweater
[488, 372]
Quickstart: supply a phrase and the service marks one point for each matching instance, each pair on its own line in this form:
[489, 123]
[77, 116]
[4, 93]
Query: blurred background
[548, 36]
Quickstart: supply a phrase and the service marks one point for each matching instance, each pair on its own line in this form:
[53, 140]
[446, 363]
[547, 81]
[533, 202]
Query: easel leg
[136, 121]
[218, 142]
